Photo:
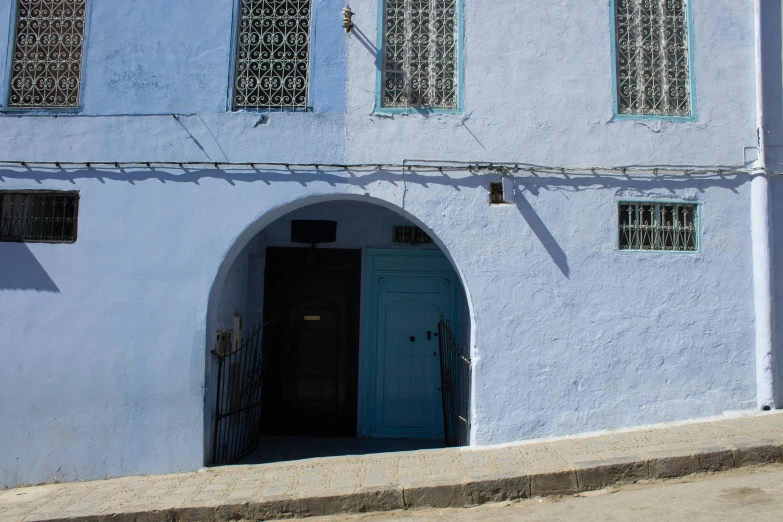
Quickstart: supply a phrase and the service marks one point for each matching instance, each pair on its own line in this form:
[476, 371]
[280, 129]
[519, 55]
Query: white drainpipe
[762, 244]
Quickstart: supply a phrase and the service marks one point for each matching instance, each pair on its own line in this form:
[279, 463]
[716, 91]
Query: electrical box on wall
[501, 192]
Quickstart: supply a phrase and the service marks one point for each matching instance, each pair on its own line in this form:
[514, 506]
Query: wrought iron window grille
[272, 55]
[47, 54]
[420, 54]
[410, 234]
[652, 57]
[658, 226]
[38, 216]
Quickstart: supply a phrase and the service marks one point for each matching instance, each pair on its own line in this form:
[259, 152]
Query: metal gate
[455, 385]
[240, 379]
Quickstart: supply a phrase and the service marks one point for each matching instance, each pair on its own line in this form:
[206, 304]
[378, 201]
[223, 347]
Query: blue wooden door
[407, 396]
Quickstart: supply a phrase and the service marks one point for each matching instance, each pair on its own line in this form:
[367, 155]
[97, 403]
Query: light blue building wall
[104, 351]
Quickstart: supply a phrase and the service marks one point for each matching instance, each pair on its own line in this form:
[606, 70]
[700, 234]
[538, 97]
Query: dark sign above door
[313, 231]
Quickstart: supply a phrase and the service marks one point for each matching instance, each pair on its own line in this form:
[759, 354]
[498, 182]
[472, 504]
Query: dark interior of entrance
[312, 303]
[338, 334]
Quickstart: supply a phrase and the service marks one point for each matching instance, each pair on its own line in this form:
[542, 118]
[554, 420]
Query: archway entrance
[351, 300]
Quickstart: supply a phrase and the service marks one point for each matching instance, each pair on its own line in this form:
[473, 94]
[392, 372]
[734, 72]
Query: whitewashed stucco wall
[104, 341]
[538, 89]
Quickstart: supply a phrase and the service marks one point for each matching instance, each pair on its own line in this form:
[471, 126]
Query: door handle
[429, 335]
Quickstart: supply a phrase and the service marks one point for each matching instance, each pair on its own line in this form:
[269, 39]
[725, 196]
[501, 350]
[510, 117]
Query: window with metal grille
[420, 54]
[410, 234]
[38, 216]
[273, 54]
[47, 54]
[658, 226]
[496, 194]
[652, 60]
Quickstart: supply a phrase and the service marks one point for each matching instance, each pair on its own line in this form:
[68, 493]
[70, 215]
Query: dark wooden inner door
[312, 298]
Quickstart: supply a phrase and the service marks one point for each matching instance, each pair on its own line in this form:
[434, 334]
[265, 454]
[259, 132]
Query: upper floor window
[47, 54]
[420, 54]
[652, 57]
[273, 54]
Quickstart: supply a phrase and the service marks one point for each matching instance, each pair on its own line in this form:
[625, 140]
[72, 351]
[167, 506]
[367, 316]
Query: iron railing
[240, 379]
[455, 375]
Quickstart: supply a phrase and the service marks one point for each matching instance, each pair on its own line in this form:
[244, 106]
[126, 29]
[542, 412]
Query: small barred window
[410, 234]
[653, 69]
[38, 216]
[658, 226]
[47, 55]
[420, 54]
[273, 54]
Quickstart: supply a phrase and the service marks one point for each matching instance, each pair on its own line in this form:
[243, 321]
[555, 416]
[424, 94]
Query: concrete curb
[587, 476]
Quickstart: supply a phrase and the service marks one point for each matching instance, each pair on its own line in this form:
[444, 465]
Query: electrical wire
[502, 168]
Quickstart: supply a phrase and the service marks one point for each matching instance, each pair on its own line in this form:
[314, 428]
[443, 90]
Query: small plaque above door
[312, 318]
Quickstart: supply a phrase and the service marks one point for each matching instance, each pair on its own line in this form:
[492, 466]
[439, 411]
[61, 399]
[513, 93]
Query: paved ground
[748, 494]
[282, 449]
[426, 478]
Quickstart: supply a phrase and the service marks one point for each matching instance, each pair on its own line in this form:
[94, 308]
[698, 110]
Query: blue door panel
[404, 302]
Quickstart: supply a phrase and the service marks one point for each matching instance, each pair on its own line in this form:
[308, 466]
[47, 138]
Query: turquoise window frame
[460, 69]
[691, 71]
[662, 201]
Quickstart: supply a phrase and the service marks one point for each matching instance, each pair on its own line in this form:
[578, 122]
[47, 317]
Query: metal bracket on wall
[347, 19]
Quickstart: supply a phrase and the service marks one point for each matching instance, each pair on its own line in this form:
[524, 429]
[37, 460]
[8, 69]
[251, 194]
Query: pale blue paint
[407, 398]
[691, 69]
[104, 342]
[420, 110]
[402, 268]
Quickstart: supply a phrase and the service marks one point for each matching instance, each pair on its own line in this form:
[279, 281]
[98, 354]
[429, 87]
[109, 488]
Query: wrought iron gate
[240, 379]
[455, 385]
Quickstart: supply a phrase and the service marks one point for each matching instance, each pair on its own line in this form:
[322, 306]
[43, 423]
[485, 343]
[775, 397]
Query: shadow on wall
[22, 271]
[776, 186]
[542, 233]
[529, 186]
[773, 120]
[773, 83]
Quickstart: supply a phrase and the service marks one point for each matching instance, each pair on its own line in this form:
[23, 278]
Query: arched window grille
[652, 57]
[273, 54]
[47, 54]
[420, 54]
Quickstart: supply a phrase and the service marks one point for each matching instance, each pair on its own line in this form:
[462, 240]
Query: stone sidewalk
[426, 478]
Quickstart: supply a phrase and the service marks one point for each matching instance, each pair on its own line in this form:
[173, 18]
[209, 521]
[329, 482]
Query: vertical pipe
[761, 239]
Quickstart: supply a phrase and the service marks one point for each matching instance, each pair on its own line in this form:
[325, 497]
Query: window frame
[658, 201]
[44, 192]
[691, 71]
[413, 228]
[379, 109]
[232, 66]
[5, 88]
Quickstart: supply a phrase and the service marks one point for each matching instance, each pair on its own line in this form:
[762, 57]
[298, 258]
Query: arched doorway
[335, 312]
